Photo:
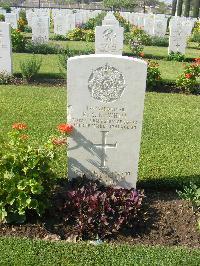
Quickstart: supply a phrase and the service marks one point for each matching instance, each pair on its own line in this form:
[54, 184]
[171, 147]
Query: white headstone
[178, 37]
[106, 99]
[2, 11]
[5, 48]
[110, 19]
[60, 25]
[149, 24]
[40, 29]
[160, 26]
[12, 19]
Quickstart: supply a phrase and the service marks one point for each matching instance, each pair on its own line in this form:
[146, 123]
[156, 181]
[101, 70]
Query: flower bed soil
[163, 220]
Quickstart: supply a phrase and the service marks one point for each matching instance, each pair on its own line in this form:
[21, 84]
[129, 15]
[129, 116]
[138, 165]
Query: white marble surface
[105, 106]
[5, 48]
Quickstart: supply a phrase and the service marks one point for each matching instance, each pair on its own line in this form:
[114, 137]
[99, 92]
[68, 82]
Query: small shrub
[42, 48]
[100, 211]
[2, 17]
[90, 35]
[58, 37]
[196, 33]
[153, 74]
[30, 68]
[123, 22]
[7, 7]
[27, 29]
[5, 78]
[136, 47]
[77, 34]
[188, 80]
[22, 15]
[137, 34]
[18, 41]
[63, 57]
[159, 41]
[21, 24]
[192, 194]
[93, 22]
[176, 57]
[27, 178]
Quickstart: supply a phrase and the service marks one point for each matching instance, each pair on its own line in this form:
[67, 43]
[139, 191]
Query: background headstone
[40, 29]
[109, 39]
[5, 48]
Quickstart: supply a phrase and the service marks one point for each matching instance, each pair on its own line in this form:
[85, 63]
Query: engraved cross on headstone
[104, 146]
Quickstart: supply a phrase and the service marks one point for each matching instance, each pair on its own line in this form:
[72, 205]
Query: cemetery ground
[169, 159]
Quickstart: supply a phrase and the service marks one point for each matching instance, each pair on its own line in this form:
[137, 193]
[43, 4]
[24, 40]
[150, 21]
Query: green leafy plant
[27, 29]
[136, 47]
[77, 34]
[6, 6]
[172, 56]
[196, 33]
[58, 37]
[188, 80]
[153, 74]
[21, 24]
[2, 17]
[90, 35]
[191, 193]
[159, 41]
[123, 22]
[42, 48]
[93, 22]
[18, 41]
[27, 177]
[30, 68]
[62, 60]
[138, 34]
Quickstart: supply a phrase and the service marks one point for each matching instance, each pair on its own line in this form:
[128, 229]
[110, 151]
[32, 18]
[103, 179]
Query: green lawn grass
[50, 66]
[24, 252]
[170, 149]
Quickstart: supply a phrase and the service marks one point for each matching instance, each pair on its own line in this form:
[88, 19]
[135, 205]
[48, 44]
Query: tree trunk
[187, 8]
[179, 7]
[196, 6]
[174, 3]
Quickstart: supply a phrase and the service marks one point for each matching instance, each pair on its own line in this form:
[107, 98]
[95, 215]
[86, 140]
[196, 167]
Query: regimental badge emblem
[106, 84]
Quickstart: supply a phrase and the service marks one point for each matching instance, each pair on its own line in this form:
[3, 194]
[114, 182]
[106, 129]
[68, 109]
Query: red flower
[197, 60]
[24, 137]
[141, 54]
[19, 126]
[188, 75]
[59, 142]
[65, 128]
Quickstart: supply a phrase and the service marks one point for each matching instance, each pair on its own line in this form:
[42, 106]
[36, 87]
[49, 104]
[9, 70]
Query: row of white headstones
[65, 20]
[105, 105]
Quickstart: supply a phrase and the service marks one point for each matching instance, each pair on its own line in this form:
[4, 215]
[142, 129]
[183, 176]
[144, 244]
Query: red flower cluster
[19, 126]
[24, 137]
[188, 75]
[141, 54]
[65, 128]
[59, 142]
[197, 61]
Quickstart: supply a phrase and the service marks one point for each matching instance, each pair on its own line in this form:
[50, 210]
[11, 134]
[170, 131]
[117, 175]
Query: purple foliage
[97, 210]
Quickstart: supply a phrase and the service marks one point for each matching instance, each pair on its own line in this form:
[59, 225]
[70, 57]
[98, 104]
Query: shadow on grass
[168, 183]
[160, 57]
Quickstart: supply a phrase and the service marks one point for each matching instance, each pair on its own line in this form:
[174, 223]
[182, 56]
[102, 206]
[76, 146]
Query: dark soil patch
[164, 220]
